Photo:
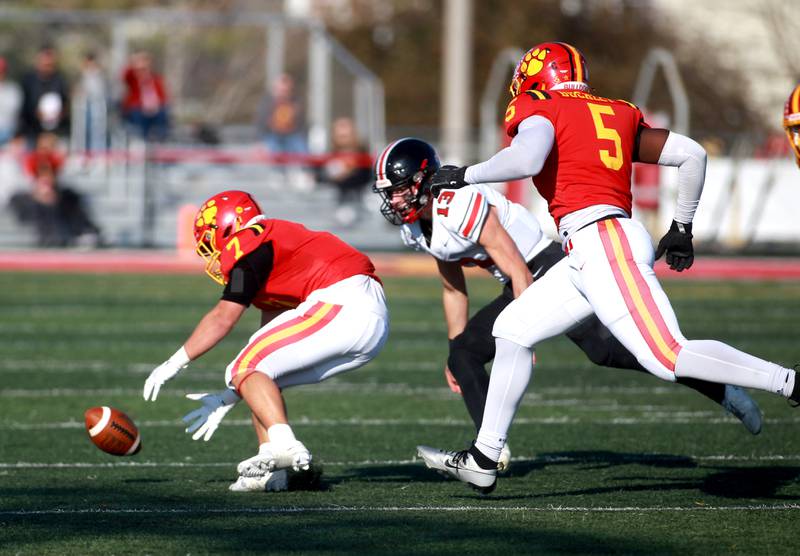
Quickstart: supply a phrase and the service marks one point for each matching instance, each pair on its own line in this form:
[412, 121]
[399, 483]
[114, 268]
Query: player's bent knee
[657, 369]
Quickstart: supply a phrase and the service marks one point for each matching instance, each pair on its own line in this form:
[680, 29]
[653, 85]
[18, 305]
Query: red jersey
[591, 160]
[303, 261]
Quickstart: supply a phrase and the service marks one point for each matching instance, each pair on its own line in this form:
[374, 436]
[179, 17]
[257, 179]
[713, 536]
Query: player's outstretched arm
[214, 326]
[503, 251]
[660, 146]
[523, 158]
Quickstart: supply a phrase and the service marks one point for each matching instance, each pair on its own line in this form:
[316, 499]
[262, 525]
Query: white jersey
[458, 218]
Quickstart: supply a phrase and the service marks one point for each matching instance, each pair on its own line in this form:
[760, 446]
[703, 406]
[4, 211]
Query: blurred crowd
[43, 117]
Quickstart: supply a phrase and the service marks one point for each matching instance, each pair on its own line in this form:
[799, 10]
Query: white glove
[164, 372]
[208, 417]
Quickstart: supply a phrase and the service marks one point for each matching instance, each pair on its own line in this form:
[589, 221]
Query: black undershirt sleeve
[249, 275]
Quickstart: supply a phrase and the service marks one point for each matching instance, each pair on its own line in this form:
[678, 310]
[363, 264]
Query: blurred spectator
[90, 107]
[281, 118]
[10, 102]
[55, 211]
[145, 104]
[45, 98]
[349, 170]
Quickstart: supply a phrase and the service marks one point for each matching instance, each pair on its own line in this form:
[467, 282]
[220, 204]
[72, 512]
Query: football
[112, 431]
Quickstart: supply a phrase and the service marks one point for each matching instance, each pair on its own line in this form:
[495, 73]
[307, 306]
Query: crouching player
[323, 312]
[477, 226]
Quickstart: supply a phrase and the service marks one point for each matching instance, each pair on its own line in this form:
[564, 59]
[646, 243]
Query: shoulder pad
[243, 242]
[525, 105]
[538, 95]
[632, 105]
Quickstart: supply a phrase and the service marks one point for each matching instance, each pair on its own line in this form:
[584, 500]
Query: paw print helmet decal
[550, 66]
[218, 219]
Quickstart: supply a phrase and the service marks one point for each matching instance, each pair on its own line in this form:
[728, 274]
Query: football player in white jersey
[477, 226]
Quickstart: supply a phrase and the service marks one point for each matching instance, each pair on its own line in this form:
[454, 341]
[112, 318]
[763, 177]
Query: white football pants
[609, 272]
[336, 329]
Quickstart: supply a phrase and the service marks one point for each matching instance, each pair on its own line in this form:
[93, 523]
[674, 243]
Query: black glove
[447, 177]
[677, 244]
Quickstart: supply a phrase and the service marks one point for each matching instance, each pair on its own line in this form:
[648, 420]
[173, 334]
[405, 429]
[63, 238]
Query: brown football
[112, 431]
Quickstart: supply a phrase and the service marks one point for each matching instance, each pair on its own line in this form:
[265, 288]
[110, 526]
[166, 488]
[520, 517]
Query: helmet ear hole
[227, 231]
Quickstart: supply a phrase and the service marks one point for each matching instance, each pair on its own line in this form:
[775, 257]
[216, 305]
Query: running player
[580, 148]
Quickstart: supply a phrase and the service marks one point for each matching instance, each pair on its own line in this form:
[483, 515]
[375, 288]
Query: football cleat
[275, 481]
[459, 465]
[505, 460]
[270, 457]
[739, 403]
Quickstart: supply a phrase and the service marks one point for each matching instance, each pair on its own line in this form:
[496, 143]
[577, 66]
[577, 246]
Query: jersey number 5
[611, 161]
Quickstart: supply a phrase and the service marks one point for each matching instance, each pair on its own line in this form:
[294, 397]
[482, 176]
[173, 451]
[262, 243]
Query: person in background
[90, 107]
[145, 104]
[791, 122]
[281, 118]
[10, 103]
[56, 211]
[45, 98]
[349, 170]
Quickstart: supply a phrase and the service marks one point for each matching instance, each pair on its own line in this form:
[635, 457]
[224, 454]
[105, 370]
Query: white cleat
[275, 481]
[461, 466]
[294, 456]
[739, 403]
[505, 460]
[270, 457]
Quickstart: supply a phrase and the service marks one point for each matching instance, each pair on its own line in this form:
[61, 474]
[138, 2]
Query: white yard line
[411, 509]
[650, 419]
[633, 459]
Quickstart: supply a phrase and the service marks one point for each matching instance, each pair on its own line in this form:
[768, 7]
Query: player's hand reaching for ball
[164, 372]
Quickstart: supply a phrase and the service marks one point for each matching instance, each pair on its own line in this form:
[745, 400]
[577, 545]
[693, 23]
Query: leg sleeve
[470, 351]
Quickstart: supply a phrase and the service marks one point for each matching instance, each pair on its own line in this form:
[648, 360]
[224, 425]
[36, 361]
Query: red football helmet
[791, 121]
[550, 66]
[218, 219]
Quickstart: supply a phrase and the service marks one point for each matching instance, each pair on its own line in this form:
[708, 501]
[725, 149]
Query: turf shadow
[327, 530]
[751, 482]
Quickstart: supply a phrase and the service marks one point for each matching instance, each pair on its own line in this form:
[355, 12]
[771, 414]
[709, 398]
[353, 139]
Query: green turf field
[605, 461]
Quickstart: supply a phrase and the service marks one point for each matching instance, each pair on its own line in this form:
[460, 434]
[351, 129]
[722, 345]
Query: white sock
[511, 372]
[281, 434]
[490, 444]
[717, 362]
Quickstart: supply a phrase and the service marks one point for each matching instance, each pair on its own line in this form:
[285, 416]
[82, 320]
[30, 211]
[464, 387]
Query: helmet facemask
[208, 251]
[412, 192]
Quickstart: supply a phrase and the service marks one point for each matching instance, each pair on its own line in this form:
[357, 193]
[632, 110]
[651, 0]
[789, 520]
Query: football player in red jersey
[791, 122]
[323, 312]
[579, 149]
